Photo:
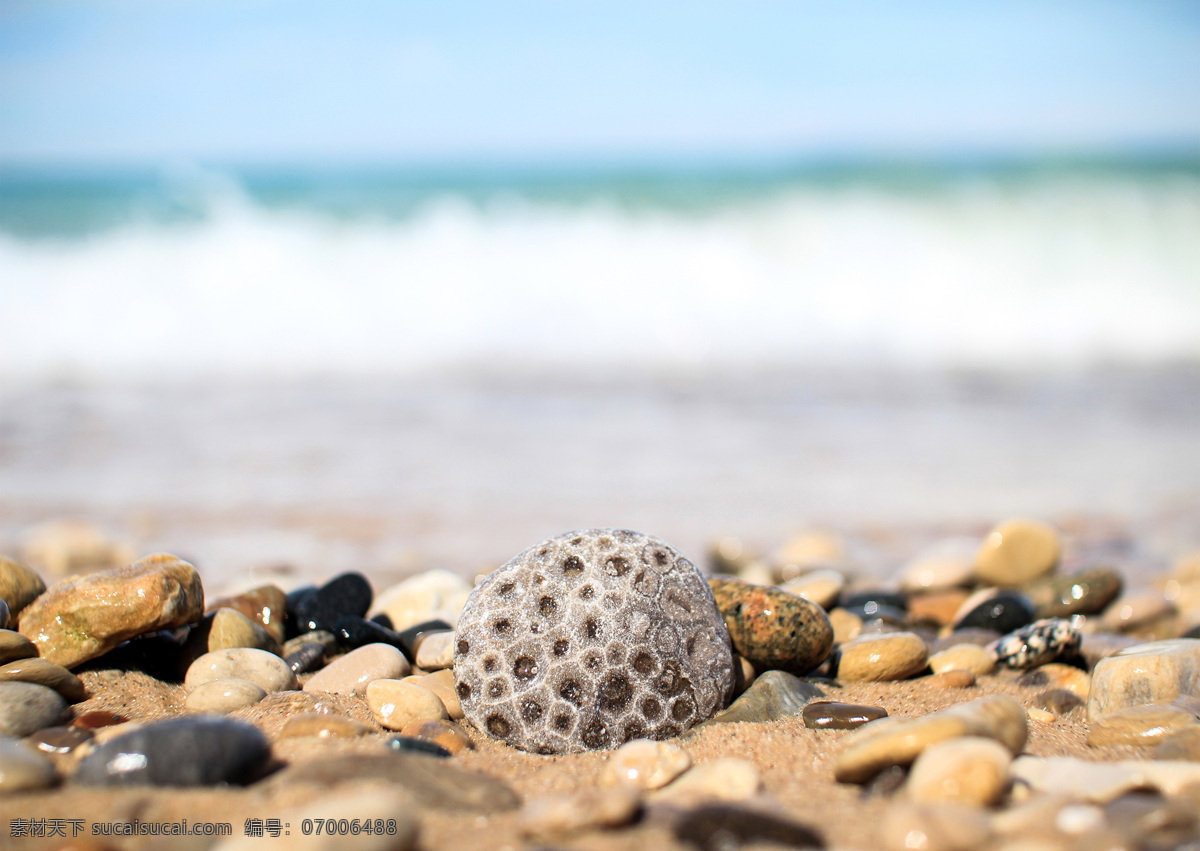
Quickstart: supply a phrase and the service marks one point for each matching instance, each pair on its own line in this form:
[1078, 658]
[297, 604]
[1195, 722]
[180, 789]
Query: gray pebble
[27, 707]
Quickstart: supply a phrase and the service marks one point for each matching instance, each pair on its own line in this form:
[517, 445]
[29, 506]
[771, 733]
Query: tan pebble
[322, 726]
[432, 595]
[808, 551]
[645, 764]
[820, 586]
[225, 629]
[1100, 782]
[954, 678]
[1056, 675]
[22, 768]
[945, 565]
[1017, 551]
[44, 673]
[223, 696]
[1139, 725]
[14, 646]
[1149, 615]
[19, 586]
[390, 806]
[725, 779]
[1040, 715]
[265, 670]
[445, 733]
[560, 816]
[756, 571]
[436, 651]
[396, 704]
[970, 770]
[880, 658]
[441, 683]
[743, 674]
[1184, 744]
[929, 827]
[964, 657]
[939, 608]
[352, 673]
[265, 605]
[1157, 672]
[846, 626]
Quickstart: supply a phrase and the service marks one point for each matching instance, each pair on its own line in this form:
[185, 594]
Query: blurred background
[392, 285]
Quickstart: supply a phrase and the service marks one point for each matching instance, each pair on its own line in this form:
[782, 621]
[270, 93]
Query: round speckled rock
[772, 628]
[588, 640]
[1037, 644]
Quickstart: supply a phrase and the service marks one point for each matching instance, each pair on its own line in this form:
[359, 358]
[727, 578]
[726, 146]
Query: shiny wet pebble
[59, 740]
[417, 745]
[1002, 611]
[829, 715]
[349, 594]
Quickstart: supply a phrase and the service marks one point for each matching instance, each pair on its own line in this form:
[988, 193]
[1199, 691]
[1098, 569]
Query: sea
[312, 369]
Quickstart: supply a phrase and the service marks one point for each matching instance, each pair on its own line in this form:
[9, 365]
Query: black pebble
[349, 594]
[200, 751]
[411, 637]
[352, 632]
[157, 654]
[305, 658]
[291, 619]
[717, 827]
[893, 599]
[4, 614]
[412, 743]
[1005, 612]
[383, 620]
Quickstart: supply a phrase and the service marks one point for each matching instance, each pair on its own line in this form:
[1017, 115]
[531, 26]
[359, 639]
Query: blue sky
[258, 80]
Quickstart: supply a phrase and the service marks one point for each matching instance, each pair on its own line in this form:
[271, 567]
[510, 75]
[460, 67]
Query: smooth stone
[806, 551]
[954, 678]
[971, 771]
[1041, 716]
[82, 618]
[348, 594]
[265, 605]
[1086, 592]
[830, 715]
[199, 751]
[14, 646]
[963, 657]
[1059, 701]
[899, 741]
[994, 609]
[774, 695]
[73, 546]
[412, 636]
[445, 734]
[724, 779]
[947, 564]
[771, 628]
[396, 704]
[938, 607]
[969, 635]
[436, 651]
[59, 740]
[441, 683]
[882, 658]
[98, 718]
[23, 769]
[265, 670]
[352, 673]
[221, 697]
[293, 600]
[4, 614]
[719, 827]
[306, 658]
[645, 765]
[434, 783]
[1016, 552]
[412, 744]
[1039, 643]
[942, 827]
[375, 806]
[322, 726]
[1157, 672]
[874, 614]
[820, 586]
[558, 817]
[1182, 744]
[743, 675]
[28, 707]
[1100, 782]
[327, 641]
[1059, 676]
[846, 626]
[1138, 725]
[434, 594]
[19, 586]
[35, 670]
[1138, 613]
[225, 629]
[354, 632]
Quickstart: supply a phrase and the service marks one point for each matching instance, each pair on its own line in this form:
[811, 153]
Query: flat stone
[1101, 782]
[970, 770]
[225, 629]
[882, 658]
[445, 734]
[266, 605]
[1041, 716]
[14, 646]
[1157, 672]
[396, 704]
[717, 827]
[830, 715]
[899, 741]
[432, 782]
[322, 726]
[1016, 552]
[19, 586]
[952, 679]
[59, 740]
[963, 657]
[938, 607]
[391, 808]
[949, 563]
[645, 765]
[435, 594]
[820, 586]
[27, 707]
[200, 751]
[774, 695]
[79, 619]
[1182, 744]
[441, 683]
[348, 594]
[23, 769]
[942, 827]
[773, 629]
[265, 670]
[436, 651]
[1037, 644]
[352, 673]
[558, 817]
[996, 609]
[724, 779]
[1059, 701]
[221, 697]
[1141, 726]
[1086, 592]
[1058, 676]
[35, 670]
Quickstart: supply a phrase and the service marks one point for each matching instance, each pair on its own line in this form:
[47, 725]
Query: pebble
[830, 715]
[384, 806]
[353, 672]
[899, 741]
[441, 683]
[327, 641]
[995, 609]
[79, 619]
[19, 585]
[954, 678]
[963, 657]
[411, 637]
[23, 769]
[1059, 701]
[645, 765]
[846, 626]
[970, 770]
[1037, 644]
[927, 827]
[743, 674]
[436, 651]
[265, 670]
[14, 646]
[1101, 645]
[354, 632]
[306, 658]
[806, 551]
[35, 670]
[445, 734]
[411, 744]
[1086, 592]
[199, 751]
[589, 639]
[939, 607]
[881, 658]
[875, 599]
[947, 564]
[557, 817]
[724, 779]
[1148, 615]
[435, 594]
[396, 704]
[1183, 744]
[969, 635]
[1100, 782]
[223, 696]
[1138, 725]
[774, 695]
[97, 718]
[1041, 716]
[322, 726]
[4, 614]
[720, 827]
[820, 586]
[265, 605]
[27, 707]
[878, 617]
[1157, 672]
[348, 594]
[225, 629]
[59, 740]
[1059, 676]
[1153, 821]
[1016, 552]
[773, 629]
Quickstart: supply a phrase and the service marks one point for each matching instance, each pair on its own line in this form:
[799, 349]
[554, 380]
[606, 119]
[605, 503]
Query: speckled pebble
[352, 673]
[831, 715]
[1141, 726]
[644, 764]
[42, 672]
[880, 658]
[965, 657]
[970, 770]
[1037, 644]
[26, 707]
[322, 725]
[221, 697]
[265, 670]
[396, 704]
[771, 628]
[23, 769]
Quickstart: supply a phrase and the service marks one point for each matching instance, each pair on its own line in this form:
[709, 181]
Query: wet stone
[1059, 701]
[220, 697]
[352, 673]
[1037, 644]
[225, 629]
[1086, 592]
[1017, 551]
[773, 629]
[265, 605]
[416, 745]
[306, 657]
[396, 704]
[23, 769]
[829, 715]
[200, 751]
[265, 670]
[1141, 726]
[1001, 611]
[35, 670]
[445, 734]
[27, 707]
[19, 585]
[645, 765]
[322, 726]
[774, 695]
[881, 658]
[59, 740]
[441, 683]
[347, 595]
[293, 599]
[354, 632]
[14, 646]
[718, 827]
[326, 640]
[97, 718]
[1158, 672]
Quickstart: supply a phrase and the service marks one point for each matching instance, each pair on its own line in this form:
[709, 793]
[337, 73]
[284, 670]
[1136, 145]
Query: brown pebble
[956, 678]
[441, 683]
[98, 718]
[938, 607]
[44, 673]
[15, 646]
[60, 739]
[830, 715]
[445, 733]
[264, 605]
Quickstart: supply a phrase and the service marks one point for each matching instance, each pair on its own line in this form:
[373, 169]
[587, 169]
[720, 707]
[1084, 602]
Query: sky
[265, 80]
